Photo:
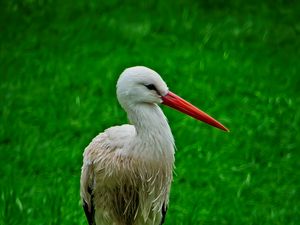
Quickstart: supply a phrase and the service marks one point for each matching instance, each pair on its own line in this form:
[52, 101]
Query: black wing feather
[90, 215]
[163, 212]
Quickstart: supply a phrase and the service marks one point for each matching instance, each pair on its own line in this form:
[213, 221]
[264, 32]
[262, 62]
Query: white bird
[127, 170]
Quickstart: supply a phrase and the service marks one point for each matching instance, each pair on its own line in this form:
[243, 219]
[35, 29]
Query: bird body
[127, 170]
[130, 185]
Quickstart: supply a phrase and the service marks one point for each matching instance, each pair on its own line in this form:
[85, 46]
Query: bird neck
[152, 128]
[148, 119]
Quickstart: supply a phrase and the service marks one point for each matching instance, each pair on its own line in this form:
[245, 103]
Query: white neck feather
[154, 135]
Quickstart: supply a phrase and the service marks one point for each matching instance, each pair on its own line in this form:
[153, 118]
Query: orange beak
[174, 101]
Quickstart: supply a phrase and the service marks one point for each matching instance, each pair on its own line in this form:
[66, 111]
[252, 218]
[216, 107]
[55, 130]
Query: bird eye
[150, 87]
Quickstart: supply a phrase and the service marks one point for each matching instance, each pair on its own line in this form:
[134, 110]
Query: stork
[128, 170]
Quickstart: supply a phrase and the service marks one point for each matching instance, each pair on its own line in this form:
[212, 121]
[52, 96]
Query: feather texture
[129, 188]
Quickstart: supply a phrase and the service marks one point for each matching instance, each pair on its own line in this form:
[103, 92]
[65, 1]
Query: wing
[96, 156]
[86, 192]
[163, 212]
[89, 212]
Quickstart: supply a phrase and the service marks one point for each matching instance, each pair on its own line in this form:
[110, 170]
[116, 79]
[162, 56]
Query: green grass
[239, 61]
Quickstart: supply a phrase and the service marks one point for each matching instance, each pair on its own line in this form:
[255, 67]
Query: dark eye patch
[151, 87]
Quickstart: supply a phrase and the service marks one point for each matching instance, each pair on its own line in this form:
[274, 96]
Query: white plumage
[127, 170]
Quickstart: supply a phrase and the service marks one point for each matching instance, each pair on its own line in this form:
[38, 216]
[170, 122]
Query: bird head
[140, 85]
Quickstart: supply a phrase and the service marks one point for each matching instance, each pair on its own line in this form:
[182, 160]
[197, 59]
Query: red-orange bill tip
[174, 101]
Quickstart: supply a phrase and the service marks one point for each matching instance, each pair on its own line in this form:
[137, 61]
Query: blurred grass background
[237, 60]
